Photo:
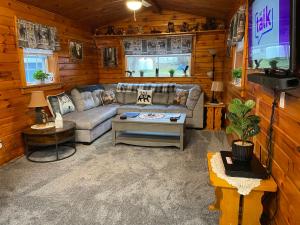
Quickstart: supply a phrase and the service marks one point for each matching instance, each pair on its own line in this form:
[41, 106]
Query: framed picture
[76, 50]
[110, 59]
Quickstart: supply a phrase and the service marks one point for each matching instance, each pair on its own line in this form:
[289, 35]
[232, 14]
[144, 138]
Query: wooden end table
[214, 116]
[228, 200]
[36, 139]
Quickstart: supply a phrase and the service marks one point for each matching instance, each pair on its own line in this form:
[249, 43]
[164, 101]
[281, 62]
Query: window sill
[40, 87]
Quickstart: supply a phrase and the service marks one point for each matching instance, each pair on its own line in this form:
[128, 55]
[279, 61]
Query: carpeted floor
[106, 185]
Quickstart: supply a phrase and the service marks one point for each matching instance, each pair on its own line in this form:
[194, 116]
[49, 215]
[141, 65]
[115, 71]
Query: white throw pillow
[65, 104]
[144, 97]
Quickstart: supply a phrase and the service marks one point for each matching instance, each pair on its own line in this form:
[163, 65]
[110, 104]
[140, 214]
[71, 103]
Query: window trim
[52, 66]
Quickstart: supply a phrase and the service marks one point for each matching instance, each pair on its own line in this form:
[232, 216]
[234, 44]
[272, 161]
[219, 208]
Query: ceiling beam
[155, 6]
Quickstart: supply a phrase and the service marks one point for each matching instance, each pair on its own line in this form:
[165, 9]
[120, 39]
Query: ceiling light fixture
[134, 4]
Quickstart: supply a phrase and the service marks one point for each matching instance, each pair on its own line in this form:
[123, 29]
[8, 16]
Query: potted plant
[41, 76]
[273, 64]
[172, 72]
[141, 73]
[237, 75]
[244, 125]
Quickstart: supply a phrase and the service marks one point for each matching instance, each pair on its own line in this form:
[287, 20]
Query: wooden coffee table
[149, 132]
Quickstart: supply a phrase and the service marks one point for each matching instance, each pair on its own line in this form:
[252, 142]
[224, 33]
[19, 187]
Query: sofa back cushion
[130, 97]
[83, 100]
[181, 96]
[160, 98]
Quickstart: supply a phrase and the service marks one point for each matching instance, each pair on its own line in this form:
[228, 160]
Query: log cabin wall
[14, 114]
[286, 142]
[201, 63]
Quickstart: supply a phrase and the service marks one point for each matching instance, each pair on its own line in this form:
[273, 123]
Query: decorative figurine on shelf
[171, 27]
[210, 24]
[196, 27]
[120, 31]
[156, 72]
[155, 31]
[110, 30]
[131, 30]
[184, 27]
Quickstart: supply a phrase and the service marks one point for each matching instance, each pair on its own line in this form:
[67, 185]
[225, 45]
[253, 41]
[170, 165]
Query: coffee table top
[164, 120]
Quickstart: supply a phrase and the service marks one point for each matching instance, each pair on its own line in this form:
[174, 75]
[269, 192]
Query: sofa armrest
[198, 112]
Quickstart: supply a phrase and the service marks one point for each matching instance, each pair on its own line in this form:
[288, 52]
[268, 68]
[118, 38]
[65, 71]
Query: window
[149, 65]
[36, 59]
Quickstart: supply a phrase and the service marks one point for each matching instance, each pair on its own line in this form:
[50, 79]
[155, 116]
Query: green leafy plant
[40, 75]
[237, 73]
[242, 123]
[172, 72]
[273, 63]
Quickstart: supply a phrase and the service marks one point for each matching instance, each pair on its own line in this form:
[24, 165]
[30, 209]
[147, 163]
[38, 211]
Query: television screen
[269, 34]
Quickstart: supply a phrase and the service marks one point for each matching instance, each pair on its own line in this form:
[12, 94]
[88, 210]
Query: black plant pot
[242, 153]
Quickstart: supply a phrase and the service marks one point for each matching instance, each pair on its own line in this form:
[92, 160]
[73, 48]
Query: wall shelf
[162, 34]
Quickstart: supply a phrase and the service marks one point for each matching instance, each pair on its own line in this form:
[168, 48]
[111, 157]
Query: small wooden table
[149, 132]
[36, 139]
[228, 200]
[214, 116]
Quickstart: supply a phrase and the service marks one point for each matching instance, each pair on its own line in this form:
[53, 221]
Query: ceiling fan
[135, 5]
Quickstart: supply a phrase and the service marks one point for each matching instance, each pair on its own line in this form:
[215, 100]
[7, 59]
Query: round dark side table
[36, 140]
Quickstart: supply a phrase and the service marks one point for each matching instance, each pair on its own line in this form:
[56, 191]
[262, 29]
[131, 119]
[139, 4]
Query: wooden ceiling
[95, 13]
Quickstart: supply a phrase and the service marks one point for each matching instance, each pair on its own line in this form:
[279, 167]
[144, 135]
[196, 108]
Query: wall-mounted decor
[76, 50]
[158, 45]
[37, 36]
[110, 58]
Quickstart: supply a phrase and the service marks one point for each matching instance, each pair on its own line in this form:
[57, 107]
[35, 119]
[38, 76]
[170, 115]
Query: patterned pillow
[108, 97]
[144, 97]
[60, 103]
[181, 96]
[65, 104]
[97, 97]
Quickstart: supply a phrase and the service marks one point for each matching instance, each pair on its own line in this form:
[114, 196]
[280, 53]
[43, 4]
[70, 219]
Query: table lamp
[217, 86]
[38, 101]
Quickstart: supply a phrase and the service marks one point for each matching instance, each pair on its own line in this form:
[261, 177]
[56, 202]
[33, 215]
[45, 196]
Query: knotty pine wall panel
[201, 64]
[14, 114]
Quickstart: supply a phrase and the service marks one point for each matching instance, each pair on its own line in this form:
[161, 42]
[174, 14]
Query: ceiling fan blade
[145, 3]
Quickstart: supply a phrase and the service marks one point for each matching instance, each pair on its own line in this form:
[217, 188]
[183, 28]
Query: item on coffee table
[123, 116]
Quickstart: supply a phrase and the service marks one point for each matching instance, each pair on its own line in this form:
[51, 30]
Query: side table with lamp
[214, 109]
[44, 134]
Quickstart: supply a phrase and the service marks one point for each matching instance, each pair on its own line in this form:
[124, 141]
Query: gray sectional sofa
[92, 122]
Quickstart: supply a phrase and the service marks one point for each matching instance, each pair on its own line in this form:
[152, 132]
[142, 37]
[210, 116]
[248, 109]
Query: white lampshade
[37, 99]
[217, 86]
[134, 4]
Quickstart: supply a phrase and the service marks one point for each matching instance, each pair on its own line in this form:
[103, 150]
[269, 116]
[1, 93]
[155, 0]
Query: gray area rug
[106, 185]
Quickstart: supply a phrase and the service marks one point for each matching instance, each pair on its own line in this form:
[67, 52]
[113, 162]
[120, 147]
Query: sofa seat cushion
[87, 120]
[129, 108]
[155, 108]
[179, 109]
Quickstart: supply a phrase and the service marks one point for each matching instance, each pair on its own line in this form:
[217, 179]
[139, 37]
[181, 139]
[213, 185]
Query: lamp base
[214, 100]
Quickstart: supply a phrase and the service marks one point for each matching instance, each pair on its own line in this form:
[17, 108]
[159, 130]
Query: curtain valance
[37, 36]
[158, 45]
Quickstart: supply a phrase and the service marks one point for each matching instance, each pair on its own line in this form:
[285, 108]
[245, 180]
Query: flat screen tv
[272, 35]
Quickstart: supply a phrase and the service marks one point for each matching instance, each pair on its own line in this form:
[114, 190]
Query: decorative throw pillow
[193, 97]
[144, 97]
[108, 97]
[60, 103]
[65, 104]
[97, 97]
[181, 96]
